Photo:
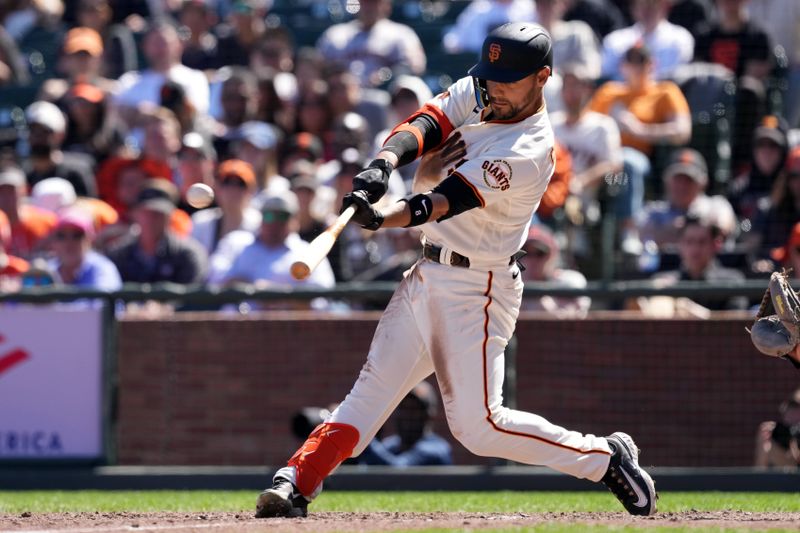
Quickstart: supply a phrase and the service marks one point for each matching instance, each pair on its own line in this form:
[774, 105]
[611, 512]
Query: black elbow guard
[461, 196]
[410, 140]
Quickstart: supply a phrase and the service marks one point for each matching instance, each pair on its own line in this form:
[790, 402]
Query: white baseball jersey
[508, 165]
[454, 321]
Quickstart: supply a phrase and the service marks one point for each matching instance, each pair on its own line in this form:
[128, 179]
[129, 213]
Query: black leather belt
[432, 252]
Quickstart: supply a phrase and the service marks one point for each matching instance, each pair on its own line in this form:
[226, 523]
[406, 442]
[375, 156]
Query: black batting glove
[366, 215]
[374, 180]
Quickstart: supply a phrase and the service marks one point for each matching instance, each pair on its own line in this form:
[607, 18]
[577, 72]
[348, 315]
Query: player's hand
[366, 215]
[431, 166]
[374, 180]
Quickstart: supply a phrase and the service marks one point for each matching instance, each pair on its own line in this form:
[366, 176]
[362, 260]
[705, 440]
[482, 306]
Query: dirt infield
[364, 522]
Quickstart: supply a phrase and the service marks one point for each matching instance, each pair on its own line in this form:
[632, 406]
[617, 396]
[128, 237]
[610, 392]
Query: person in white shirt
[266, 262]
[162, 47]
[669, 44]
[234, 189]
[372, 43]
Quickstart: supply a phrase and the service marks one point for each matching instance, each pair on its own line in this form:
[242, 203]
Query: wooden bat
[321, 245]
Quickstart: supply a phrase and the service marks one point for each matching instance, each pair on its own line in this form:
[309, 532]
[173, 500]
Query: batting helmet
[513, 51]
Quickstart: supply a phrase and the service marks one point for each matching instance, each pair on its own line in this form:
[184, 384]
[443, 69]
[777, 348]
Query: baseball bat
[320, 246]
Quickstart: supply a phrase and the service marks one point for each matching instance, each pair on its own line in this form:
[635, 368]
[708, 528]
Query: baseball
[199, 195]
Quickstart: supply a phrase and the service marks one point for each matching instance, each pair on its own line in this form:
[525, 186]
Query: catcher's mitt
[776, 330]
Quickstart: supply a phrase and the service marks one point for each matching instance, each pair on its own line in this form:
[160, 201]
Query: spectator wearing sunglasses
[74, 262]
[267, 261]
[541, 265]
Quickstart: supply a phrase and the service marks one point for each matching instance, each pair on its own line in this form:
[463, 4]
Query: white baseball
[199, 195]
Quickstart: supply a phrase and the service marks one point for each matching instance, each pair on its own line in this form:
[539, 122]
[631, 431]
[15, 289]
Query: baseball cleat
[632, 486]
[282, 500]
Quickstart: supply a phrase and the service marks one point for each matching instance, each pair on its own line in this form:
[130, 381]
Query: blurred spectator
[647, 113]
[602, 16]
[80, 62]
[239, 101]
[735, 42]
[243, 27]
[780, 18]
[11, 267]
[47, 128]
[698, 245]
[162, 139]
[541, 265]
[226, 230]
[414, 443]
[13, 67]
[774, 221]
[200, 45]
[482, 16]
[314, 113]
[74, 262]
[267, 261]
[372, 46]
[305, 186]
[29, 224]
[670, 45]
[153, 253]
[694, 15]
[162, 47]
[345, 95]
[257, 144]
[92, 128]
[743, 47]
[119, 47]
[750, 189]
[309, 67]
[235, 187]
[778, 441]
[593, 141]
[788, 255]
[301, 147]
[277, 93]
[274, 50]
[574, 42]
[196, 163]
[685, 181]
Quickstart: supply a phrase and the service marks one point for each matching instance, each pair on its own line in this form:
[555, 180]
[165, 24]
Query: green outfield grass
[479, 502]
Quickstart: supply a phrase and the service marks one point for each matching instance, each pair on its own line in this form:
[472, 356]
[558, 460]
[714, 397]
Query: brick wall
[202, 389]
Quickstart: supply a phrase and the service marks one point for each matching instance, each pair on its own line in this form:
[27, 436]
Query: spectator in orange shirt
[648, 113]
[29, 224]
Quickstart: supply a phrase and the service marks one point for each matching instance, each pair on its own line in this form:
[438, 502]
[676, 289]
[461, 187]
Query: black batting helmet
[513, 51]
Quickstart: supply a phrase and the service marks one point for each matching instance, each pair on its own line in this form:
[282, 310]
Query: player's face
[519, 99]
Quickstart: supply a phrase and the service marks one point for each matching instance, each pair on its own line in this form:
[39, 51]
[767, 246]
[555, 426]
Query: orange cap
[87, 92]
[781, 254]
[237, 168]
[83, 40]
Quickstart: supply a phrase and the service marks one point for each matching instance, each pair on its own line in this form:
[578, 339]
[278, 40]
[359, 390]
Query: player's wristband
[421, 208]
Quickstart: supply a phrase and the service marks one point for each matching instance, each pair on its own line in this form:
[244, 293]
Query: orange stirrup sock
[326, 447]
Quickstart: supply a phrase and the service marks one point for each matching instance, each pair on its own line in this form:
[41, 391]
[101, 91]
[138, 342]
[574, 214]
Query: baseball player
[455, 310]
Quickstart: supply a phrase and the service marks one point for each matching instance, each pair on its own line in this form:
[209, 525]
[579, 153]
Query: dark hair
[702, 222]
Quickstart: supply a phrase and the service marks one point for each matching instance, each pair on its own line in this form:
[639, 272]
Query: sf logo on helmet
[494, 52]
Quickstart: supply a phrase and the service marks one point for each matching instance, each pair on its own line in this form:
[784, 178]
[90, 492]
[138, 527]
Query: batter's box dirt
[365, 522]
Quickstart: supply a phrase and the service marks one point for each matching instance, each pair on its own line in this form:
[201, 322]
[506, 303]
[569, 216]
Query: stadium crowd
[675, 122]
